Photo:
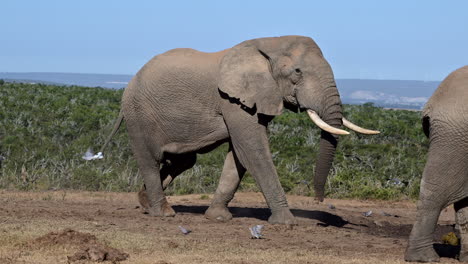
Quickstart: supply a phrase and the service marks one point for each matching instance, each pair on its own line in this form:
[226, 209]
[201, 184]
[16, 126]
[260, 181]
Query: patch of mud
[386, 229]
[163, 262]
[89, 246]
[98, 252]
[66, 237]
[8, 260]
[389, 230]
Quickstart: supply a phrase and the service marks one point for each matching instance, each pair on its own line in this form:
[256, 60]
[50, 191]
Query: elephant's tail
[117, 124]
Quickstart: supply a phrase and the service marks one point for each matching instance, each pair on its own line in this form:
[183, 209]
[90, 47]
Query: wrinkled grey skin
[445, 177]
[185, 102]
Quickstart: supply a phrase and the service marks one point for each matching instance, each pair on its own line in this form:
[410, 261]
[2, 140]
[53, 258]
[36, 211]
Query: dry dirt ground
[84, 227]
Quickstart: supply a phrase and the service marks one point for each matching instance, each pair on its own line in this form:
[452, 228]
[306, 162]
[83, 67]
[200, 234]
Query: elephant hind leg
[156, 202]
[440, 184]
[461, 217]
[420, 244]
[431, 202]
[175, 165]
[149, 165]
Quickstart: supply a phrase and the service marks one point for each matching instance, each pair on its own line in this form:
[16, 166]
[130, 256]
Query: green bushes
[45, 129]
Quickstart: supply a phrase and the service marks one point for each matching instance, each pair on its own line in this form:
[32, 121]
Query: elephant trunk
[332, 115]
[325, 110]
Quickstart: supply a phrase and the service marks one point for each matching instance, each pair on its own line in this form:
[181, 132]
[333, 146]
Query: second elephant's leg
[440, 183]
[231, 176]
[420, 245]
[461, 217]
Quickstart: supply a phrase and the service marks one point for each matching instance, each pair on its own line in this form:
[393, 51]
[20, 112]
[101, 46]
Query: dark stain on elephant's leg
[143, 199]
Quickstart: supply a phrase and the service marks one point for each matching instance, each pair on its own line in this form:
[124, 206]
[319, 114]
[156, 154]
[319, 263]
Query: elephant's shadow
[447, 251]
[328, 219]
[325, 218]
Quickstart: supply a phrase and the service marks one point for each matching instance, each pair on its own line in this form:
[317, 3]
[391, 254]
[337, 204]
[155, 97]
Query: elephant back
[173, 75]
[451, 97]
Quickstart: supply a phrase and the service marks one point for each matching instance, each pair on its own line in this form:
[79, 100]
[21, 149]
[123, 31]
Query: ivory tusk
[356, 128]
[320, 123]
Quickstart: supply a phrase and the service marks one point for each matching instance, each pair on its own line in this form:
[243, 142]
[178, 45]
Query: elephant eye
[295, 78]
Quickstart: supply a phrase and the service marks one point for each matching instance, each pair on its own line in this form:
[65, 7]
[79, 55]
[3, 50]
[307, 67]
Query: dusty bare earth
[86, 227]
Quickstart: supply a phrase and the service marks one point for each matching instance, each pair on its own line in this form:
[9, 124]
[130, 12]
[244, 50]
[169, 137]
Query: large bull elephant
[445, 177]
[185, 102]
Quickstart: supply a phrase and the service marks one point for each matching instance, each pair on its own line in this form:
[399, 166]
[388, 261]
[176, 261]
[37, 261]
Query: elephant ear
[245, 74]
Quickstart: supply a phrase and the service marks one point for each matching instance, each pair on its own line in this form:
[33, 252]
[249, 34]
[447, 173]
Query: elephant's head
[269, 73]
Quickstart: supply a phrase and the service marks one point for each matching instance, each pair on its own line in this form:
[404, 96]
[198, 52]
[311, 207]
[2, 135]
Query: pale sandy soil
[324, 235]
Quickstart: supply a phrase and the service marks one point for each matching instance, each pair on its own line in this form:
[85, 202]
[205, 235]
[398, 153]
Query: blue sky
[407, 40]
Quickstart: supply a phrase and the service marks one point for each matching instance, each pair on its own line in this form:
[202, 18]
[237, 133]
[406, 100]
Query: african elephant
[445, 177]
[185, 102]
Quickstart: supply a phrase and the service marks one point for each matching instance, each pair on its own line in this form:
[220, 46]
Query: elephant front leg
[461, 217]
[231, 176]
[250, 145]
[260, 163]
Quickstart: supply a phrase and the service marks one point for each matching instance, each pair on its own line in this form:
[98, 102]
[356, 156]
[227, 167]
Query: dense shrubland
[45, 129]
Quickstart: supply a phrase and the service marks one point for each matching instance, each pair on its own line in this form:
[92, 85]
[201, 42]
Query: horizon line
[83, 73]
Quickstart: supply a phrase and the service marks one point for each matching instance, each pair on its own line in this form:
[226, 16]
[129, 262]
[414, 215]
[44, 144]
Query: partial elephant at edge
[445, 177]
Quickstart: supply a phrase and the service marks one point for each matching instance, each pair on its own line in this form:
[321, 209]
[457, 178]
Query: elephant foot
[282, 216]
[164, 210]
[218, 213]
[426, 254]
[463, 257]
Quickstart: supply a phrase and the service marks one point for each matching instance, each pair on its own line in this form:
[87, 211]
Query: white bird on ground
[256, 231]
[367, 214]
[184, 231]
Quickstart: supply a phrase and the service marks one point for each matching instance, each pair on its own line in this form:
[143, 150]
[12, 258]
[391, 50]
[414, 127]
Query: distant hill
[115, 81]
[385, 93]
[30, 81]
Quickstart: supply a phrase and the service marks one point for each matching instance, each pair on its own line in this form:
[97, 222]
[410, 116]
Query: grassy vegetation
[44, 130]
